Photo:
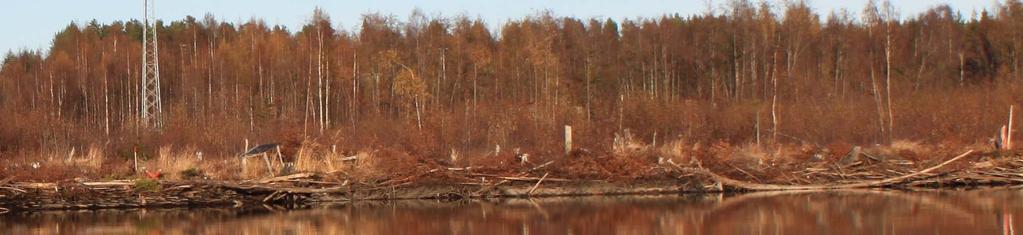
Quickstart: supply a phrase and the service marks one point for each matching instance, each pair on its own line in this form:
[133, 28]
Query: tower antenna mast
[151, 110]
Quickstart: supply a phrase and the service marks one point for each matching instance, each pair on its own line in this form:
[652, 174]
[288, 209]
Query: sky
[31, 24]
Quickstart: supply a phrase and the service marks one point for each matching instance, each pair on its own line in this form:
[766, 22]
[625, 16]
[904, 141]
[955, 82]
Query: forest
[745, 80]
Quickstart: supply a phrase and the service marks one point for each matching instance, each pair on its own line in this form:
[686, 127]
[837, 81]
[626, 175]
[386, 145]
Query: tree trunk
[319, 78]
[774, 97]
[355, 88]
[877, 101]
[888, 84]
[588, 77]
[106, 105]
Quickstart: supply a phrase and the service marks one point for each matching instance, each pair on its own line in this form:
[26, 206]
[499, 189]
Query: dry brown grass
[90, 163]
[679, 151]
[251, 168]
[312, 157]
[172, 162]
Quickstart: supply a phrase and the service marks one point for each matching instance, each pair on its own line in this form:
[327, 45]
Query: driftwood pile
[298, 190]
[156, 194]
[106, 195]
[902, 179]
[988, 169]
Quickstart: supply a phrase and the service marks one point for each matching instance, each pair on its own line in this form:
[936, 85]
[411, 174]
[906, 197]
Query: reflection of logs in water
[789, 212]
[860, 211]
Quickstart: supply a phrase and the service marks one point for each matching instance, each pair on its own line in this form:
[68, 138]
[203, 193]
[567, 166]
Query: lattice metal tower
[151, 110]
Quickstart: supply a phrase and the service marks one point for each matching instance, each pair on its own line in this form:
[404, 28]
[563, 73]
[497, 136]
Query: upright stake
[136, 154]
[757, 125]
[568, 139]
[1008, 134]
[280, 157]
[269, 167]
[243, 157]
[1002, 137]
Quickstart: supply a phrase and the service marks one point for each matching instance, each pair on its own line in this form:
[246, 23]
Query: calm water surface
[978, 211]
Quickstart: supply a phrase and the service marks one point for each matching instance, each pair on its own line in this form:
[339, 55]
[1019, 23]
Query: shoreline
[219, 194]
[454, 184]
[226, 194]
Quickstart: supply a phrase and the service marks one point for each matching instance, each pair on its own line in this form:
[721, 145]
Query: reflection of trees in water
[835, 212]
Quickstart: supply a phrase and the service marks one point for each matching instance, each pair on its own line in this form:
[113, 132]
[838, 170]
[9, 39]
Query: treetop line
[541, 72]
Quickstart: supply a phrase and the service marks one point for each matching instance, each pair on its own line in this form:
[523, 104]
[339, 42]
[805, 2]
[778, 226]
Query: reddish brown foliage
[419, 94]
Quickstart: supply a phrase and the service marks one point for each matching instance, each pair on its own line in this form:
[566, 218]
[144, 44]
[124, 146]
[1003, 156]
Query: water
[978, 211]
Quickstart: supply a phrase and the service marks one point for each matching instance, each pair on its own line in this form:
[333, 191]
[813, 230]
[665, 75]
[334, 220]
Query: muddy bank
[304, 189]
[168, 194]
[218, 194]
[210, 194]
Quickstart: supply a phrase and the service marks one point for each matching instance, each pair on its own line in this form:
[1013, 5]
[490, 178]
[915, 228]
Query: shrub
[146, 185]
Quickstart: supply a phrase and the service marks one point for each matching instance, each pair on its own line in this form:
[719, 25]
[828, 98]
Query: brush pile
[582, 172]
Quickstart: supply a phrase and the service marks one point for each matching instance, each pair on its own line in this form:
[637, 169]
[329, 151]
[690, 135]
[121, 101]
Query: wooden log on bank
[286, 178]
[116, 183]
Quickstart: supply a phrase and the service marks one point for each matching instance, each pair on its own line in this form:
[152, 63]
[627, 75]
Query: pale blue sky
[31, 24]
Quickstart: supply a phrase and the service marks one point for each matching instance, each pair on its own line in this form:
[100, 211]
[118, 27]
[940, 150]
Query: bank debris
[449, 183]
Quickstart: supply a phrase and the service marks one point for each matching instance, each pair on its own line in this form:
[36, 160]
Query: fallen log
[90, 184]
[286, 177]
[520, 178]
[537, 185]
[14, 189]
[293, 190]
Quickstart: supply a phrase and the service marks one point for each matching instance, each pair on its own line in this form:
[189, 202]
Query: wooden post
[329, 159]
[280, 157]
[655, 140]
[269, 167]
[568, 139]
[244, 165]
[136, 155]
[1000, 139]
[1008, 133]
[757, 125]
